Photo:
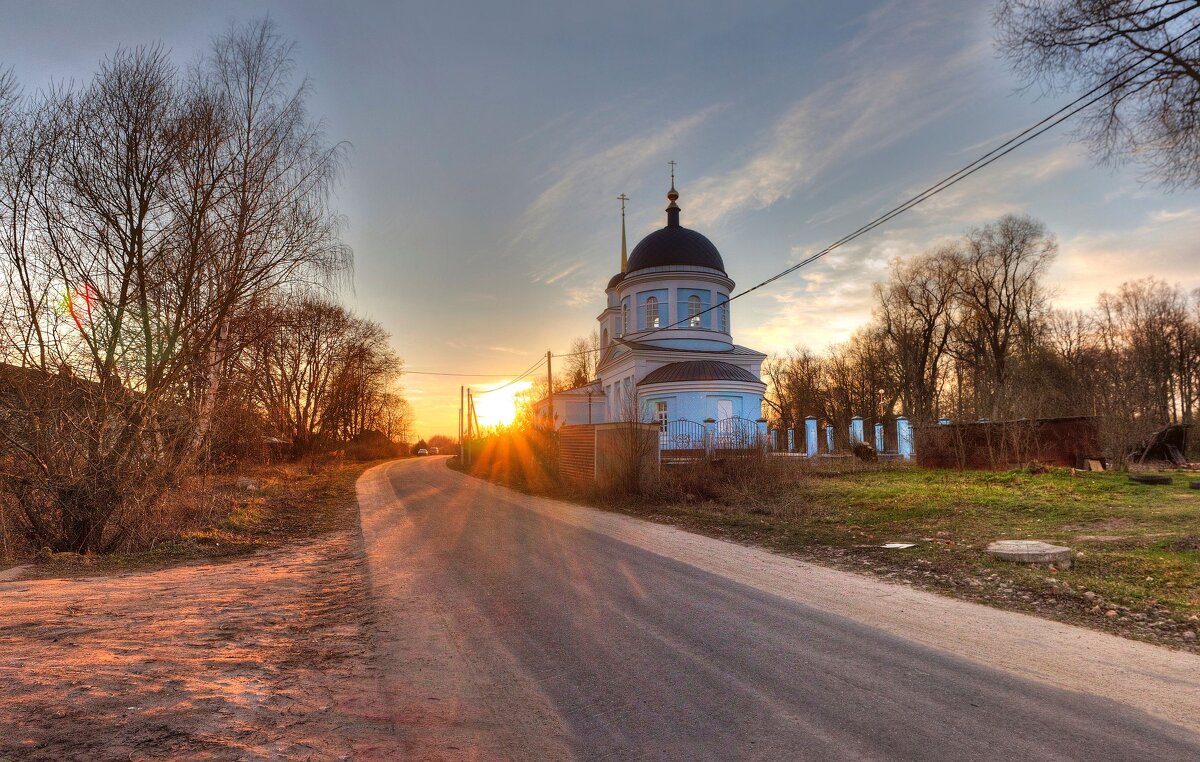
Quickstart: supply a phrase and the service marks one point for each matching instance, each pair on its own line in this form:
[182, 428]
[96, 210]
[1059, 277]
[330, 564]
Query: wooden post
[549, 390]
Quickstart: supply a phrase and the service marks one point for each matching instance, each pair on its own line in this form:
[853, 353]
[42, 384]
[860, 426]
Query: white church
[666, 348]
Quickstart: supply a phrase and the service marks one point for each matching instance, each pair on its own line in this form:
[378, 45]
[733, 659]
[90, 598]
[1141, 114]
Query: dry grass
[227, 515]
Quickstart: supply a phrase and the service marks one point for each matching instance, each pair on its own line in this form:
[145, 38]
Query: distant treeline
[968, 331]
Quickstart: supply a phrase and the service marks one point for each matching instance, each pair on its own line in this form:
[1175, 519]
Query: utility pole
[461, 450]
[470, 430]
[550, 389]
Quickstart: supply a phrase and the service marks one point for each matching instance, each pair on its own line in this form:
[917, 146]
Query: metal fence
[736, 434]
[725, 434]
[682, 434]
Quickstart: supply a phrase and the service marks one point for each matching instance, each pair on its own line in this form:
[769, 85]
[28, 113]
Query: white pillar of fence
[829, 438]
[791, 435]
[856, 430]
[810, 436]
[904, 441]
[764, 435]
[878, 437]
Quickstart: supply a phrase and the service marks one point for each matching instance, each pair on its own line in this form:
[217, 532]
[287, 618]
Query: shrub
[864, 452]
[371, 445]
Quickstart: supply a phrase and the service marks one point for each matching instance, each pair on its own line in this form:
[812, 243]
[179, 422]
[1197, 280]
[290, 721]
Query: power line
[1013, 143]
[1029, 133]
[533, 368]
[462, 375]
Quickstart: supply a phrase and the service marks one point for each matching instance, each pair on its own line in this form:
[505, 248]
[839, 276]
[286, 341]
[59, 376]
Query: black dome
[615, 281]
[673, 246]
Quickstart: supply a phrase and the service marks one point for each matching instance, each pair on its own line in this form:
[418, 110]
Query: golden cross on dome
[672, 163]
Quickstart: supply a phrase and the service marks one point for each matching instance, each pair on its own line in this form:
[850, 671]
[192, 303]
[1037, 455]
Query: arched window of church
[604, 338]
[693, 311]
[652, 313]
[624, 319]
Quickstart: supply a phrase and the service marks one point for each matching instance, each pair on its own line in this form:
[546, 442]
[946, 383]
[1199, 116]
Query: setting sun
[499, 407]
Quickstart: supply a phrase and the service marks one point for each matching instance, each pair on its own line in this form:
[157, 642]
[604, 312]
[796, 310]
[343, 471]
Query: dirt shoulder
[198, 651]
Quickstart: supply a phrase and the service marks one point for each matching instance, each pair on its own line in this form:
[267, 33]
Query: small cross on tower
[622, 198]
[672, 163]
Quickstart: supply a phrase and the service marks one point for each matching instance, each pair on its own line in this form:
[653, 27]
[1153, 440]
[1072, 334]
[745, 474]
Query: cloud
[989, 193]
[609, 167]
[548, 279]
[893, 88]
[825, 304]
[583, 296]
[1164, 246]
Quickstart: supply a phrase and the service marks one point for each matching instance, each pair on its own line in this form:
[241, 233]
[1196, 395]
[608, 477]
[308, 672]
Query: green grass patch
[1138, 545]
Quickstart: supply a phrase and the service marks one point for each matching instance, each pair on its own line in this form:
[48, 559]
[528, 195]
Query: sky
[488, 143]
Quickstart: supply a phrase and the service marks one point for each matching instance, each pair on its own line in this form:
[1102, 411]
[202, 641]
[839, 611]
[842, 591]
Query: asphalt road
[533, 638]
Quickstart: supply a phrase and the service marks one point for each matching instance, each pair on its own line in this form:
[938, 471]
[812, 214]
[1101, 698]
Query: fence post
[763, 435]
[791, 443]
[829, 438]
[878, 437]
[810, 436]
[856, 430]
[904, 443]
[710, 437]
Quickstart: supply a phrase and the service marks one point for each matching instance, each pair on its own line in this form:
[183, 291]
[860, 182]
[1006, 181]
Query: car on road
[422, 451]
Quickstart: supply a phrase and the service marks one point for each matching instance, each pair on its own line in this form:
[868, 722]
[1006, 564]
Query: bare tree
[795, 387]
[1000, 303]
[321, 375]
[915, 312]
[1150, 50]
[581, 361]
[629, 452]
[142, 215]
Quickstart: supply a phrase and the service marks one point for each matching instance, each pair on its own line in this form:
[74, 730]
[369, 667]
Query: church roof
[698, 370]
[615, 281]
[674, 245]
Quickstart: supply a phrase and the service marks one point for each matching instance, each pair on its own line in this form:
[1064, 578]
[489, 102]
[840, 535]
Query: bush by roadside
[226, 515]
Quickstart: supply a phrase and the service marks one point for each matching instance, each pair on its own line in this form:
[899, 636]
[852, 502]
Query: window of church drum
[694, 309]
[660, 414]
[652, 320]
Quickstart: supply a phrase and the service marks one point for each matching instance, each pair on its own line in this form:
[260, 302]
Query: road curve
[504, 632]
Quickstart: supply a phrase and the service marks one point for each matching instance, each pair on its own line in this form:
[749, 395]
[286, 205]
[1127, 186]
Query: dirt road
[549, 630]
[467, 621]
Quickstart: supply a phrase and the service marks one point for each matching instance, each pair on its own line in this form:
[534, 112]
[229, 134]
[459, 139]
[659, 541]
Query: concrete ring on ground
[1031, 552]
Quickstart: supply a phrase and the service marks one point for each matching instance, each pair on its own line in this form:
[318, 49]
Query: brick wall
[1006, 444]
